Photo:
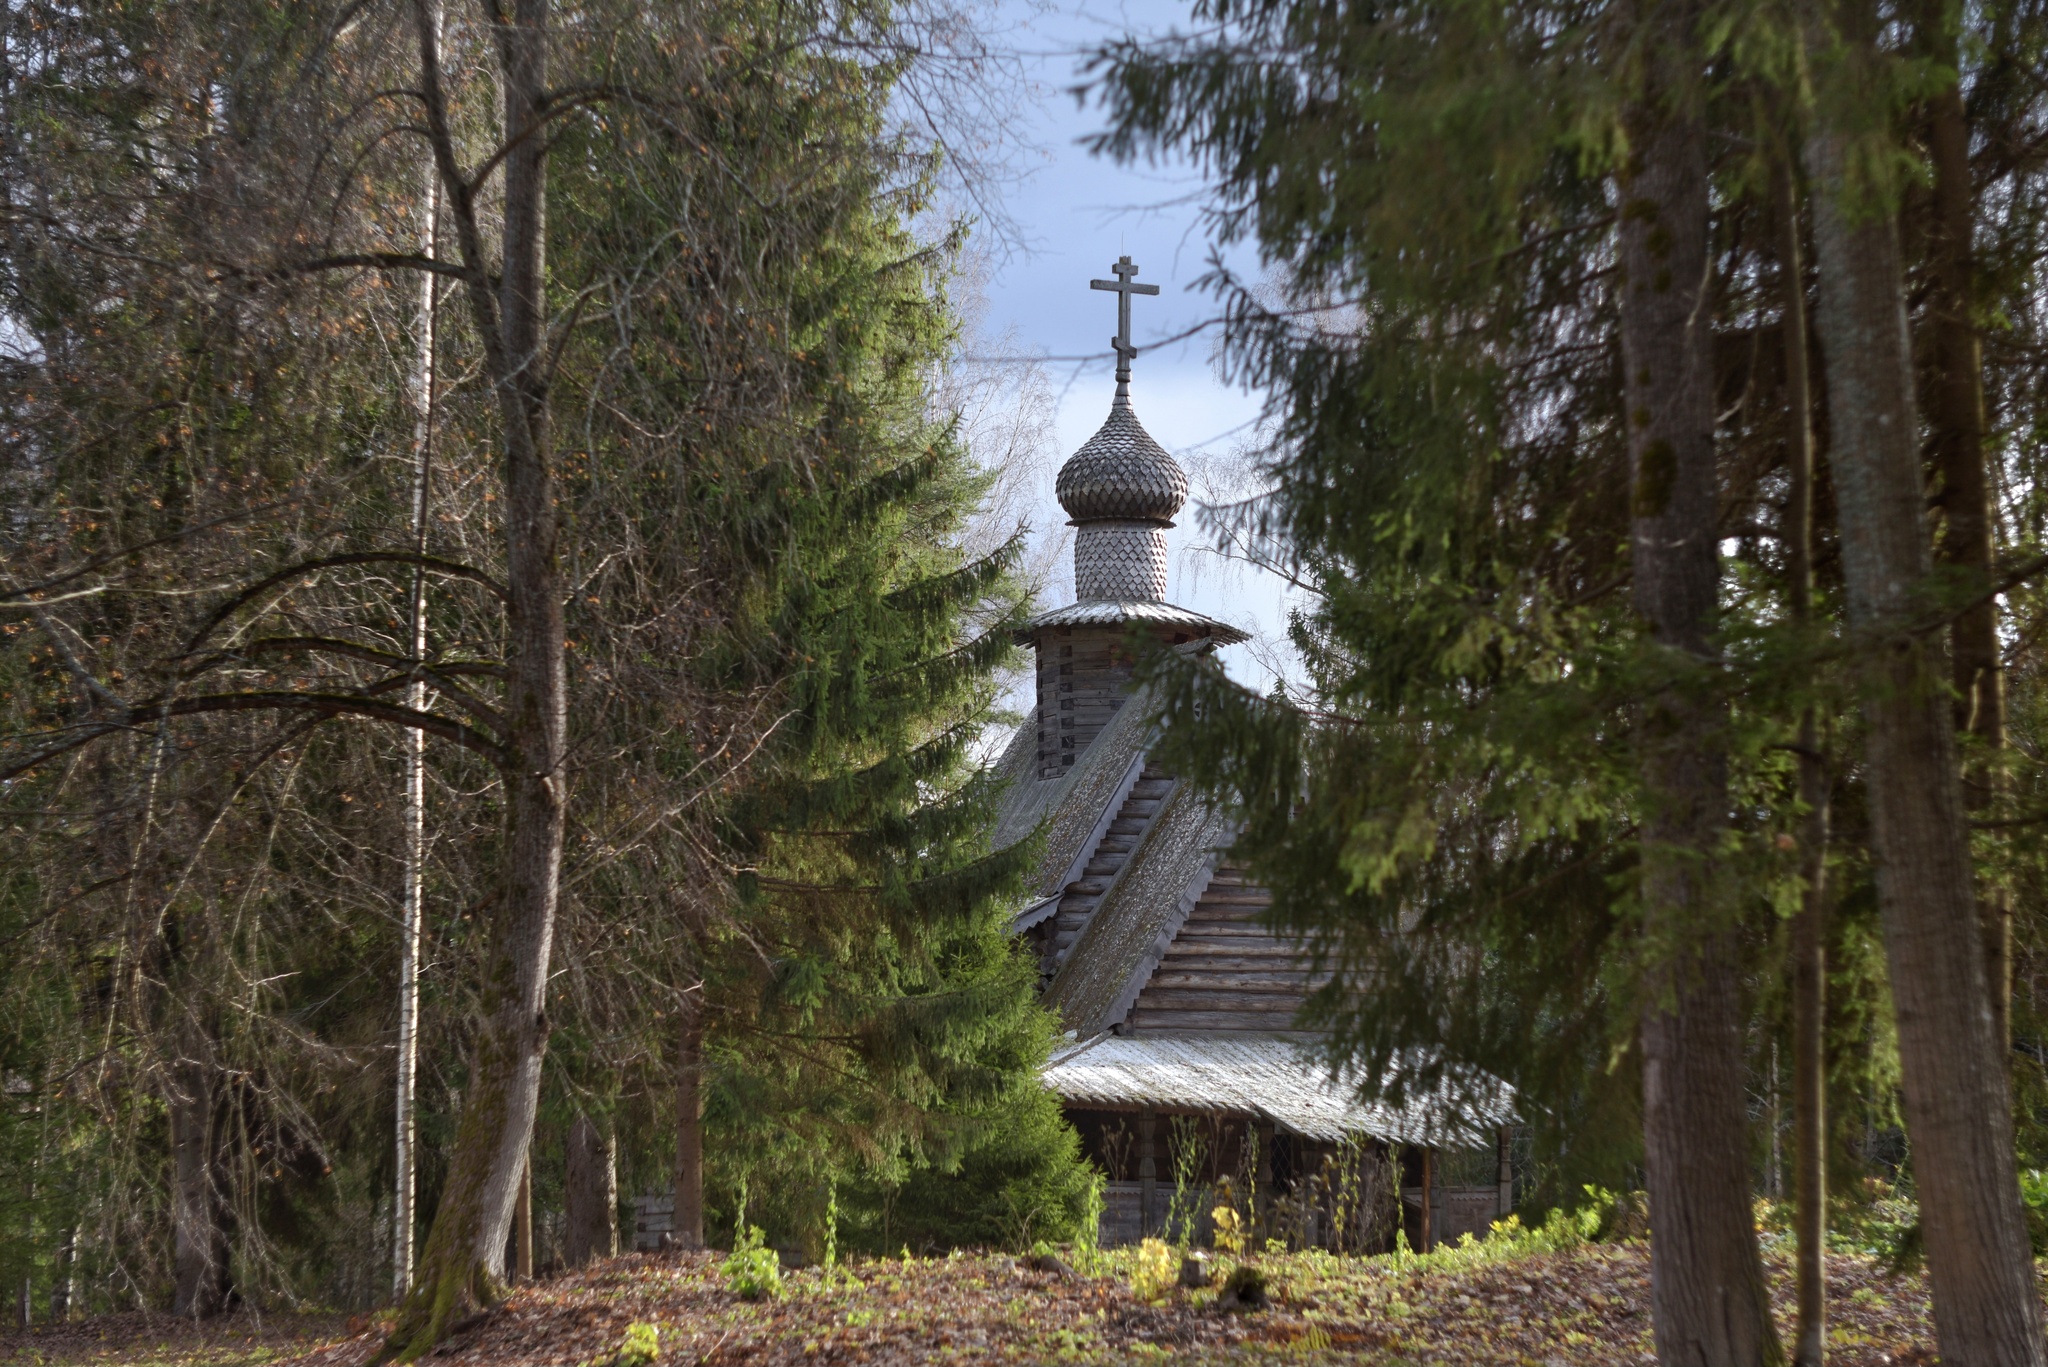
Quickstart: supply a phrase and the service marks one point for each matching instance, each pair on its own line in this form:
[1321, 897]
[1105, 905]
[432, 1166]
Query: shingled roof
[1103, 612]
[1139, 915]
[1121, 472]
[1270, 1076]
[1074, 808]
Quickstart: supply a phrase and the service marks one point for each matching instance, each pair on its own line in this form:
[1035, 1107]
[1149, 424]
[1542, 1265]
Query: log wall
[1084, 675]
[1225, 971]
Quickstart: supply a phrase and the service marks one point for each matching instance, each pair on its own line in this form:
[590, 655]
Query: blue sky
[1070, 216]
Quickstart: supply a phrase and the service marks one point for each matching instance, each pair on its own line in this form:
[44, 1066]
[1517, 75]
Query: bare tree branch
[98, 561]
[451, 568]
[441, 676]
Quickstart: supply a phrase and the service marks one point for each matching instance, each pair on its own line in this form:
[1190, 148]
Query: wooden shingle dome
[1122, 474]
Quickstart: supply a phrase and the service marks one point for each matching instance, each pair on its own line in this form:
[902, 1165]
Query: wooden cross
[1123, 287]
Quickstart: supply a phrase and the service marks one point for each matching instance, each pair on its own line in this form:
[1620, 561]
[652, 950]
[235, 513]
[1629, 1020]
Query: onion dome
[1121, 490]
[1121, 474]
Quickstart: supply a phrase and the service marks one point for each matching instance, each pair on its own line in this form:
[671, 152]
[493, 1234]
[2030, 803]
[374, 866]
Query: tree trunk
[522, 1223]
[404, 1215]
[1954, 407]
[199, 1234]
[1809, 925]
[590, 1200]
[689, 1217]
[66, 1274]
[463, 1266]
[1958, 1111]
[1708, 1301]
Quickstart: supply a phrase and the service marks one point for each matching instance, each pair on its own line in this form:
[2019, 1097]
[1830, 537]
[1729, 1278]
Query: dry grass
[1587, 1307]
[238, 1340]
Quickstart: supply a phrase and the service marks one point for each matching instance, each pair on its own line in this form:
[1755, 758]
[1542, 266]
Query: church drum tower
[1121, 492]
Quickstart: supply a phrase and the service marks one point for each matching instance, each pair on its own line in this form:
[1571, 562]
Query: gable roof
[1131, 929]
[1139, 914]
[1075, 807]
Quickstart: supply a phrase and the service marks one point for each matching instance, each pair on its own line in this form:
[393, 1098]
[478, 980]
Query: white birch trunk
[403, 1216]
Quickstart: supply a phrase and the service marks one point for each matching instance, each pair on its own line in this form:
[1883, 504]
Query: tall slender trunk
[1953, 403]
[522, 1223]
[1987, 1309]
[590, 1193]
[463, 1267]
[1708, 1301]
[689, 1216]
[25, 1307]
[199, 1234]
[413, 910]
[63, 1284]
[1809, 925]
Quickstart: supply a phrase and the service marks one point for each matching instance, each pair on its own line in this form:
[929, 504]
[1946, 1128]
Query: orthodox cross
[1123, 287]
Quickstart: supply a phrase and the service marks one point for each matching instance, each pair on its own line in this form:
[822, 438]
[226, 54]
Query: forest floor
[1584, 1306]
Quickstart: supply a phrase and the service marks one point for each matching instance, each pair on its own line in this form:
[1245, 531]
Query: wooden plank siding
[1083, 895]
[1225, 971]
[1084, 676]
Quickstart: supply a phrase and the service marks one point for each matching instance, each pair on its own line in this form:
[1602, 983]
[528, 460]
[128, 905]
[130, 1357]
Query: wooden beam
[1507, 1172]
[1428, 1182]
[1148, 1169]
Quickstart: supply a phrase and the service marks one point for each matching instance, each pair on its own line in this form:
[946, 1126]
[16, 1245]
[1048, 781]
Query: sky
[1070, 215]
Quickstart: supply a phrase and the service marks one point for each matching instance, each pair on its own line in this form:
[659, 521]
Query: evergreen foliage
[779, 655]
[868, 1017]
[1022, 1183]
[1448, 815]
[1448, 811]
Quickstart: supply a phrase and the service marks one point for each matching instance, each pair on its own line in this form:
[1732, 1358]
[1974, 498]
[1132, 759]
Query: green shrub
[1025, 1181]
[752, 1270]
[641, 1347]
[2034, 1196]
[1087, 1249]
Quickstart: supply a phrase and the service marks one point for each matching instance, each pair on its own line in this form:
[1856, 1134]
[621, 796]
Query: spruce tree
[1450, 301]
[1458, 788]
[1503, 809]
[844, 1008]
[1707, 1291]
[1987, 1304]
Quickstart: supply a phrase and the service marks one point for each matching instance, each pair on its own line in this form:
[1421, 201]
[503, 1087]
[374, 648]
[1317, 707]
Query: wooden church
[1183, 1068]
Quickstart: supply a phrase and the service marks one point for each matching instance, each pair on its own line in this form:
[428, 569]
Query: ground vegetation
[1586, 1303]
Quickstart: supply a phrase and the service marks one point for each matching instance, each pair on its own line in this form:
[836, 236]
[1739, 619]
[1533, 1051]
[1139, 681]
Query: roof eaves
[1098, 612]
[1274, 1078]
[1034, 912]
